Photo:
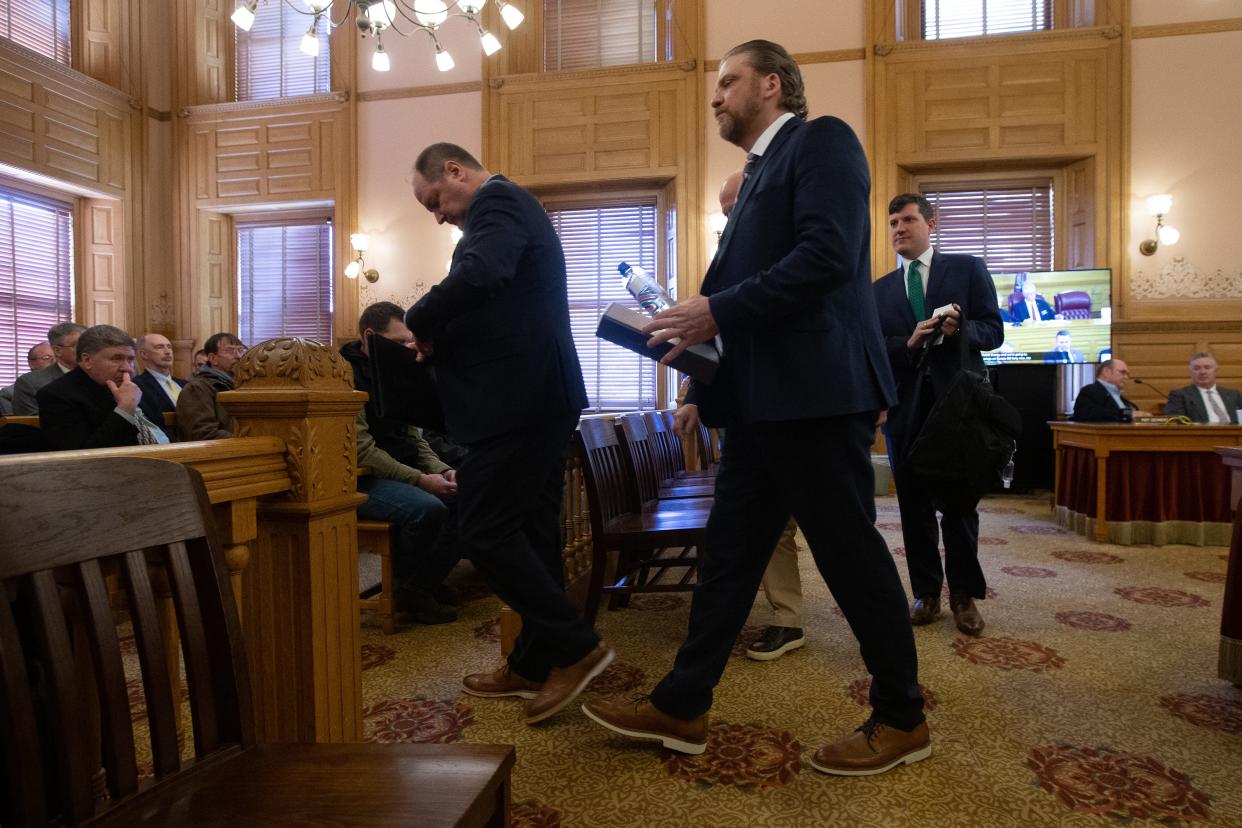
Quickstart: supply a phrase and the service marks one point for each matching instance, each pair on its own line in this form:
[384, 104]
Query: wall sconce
[1159, 206]
[717, 222]
[360, 242]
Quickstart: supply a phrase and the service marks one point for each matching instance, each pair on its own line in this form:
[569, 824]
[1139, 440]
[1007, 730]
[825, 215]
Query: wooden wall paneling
[1160, 353]
[101, 41]
[1079, 214]
[103, 300]
[216, 292]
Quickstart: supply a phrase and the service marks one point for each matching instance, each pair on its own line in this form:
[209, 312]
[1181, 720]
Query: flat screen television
[1054, 316]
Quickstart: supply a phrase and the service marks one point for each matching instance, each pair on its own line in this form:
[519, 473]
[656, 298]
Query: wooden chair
[619, 526]
[655, 492]
[377, 535]
[67, 524]
[670, 451]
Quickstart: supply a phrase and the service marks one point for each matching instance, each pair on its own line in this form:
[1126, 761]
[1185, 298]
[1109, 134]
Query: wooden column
[300, 588]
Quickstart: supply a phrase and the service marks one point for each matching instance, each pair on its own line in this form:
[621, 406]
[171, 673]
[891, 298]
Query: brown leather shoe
[640, 719]
[565, 683]
[925, 610]
[873, 748]
[500, 682]
[966, 614]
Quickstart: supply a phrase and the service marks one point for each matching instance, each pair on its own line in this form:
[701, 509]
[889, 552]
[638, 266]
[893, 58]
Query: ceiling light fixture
[373, 17]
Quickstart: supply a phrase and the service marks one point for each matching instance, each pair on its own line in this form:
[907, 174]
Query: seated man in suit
[1063, 352]
[160, 388]
[409, 485]
[1033, 306]
[96, 404]
[64, 341]
[199, 414]
[1203, 401]
[1101, 401]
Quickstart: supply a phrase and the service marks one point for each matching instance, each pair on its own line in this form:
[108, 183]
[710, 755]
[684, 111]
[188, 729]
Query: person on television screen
[1063, 352]
[1032, 306]
[1203, 401]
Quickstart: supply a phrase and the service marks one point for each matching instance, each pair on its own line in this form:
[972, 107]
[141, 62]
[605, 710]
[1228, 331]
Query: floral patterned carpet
[1091, 699]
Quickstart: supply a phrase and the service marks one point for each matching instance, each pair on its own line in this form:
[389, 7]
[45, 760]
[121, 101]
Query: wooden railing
[284, 496]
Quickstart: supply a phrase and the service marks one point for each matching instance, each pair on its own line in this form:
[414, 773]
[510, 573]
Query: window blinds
[596, 240]
[972, 18]
[36, 275]
[284, 280]
[583, 34]
[40, 25]
[270, 62]
[1009, 225]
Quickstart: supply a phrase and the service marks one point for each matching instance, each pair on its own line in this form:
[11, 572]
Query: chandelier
[374, 17]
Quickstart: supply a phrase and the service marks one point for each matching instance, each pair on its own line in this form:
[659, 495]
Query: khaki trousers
[781, 584]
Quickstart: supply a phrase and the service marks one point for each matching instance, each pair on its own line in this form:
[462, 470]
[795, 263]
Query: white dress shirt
[164, 380]
[1213, 417]
[924, 260]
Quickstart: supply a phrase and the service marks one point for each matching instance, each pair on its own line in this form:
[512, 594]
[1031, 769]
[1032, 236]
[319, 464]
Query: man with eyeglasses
[63, 340]
[199, 413]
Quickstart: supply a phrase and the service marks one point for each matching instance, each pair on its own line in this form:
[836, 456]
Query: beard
[733, 124]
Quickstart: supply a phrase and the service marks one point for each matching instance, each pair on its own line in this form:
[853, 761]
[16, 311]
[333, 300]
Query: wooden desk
[1138, 484]
[1229, 664]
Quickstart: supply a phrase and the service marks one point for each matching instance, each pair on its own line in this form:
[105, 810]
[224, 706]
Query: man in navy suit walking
[497, 330]
[925, 353]
[802, 380]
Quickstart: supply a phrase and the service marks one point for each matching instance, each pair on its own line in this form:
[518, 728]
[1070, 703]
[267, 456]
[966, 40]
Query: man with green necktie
[925, 305]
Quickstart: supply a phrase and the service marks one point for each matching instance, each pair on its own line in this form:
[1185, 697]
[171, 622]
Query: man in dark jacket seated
[96, 404]
[1101, 401]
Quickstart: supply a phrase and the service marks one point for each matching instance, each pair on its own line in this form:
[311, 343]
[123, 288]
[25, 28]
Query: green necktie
[914, 283]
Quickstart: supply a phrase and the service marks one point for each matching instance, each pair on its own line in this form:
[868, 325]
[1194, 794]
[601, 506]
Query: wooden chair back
[670, 462]
[65, 525]
[640, 452]
[610, 491]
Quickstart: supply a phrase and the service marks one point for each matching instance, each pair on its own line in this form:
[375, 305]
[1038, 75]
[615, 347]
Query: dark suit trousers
[920, 533]
[509, 513]
[818, 470]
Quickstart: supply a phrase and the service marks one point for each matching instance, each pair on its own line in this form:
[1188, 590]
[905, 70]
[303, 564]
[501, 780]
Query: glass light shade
[471, 6]
[431, 13]
[243, 16]
[1168, 236]
[1159, 205]
[317, 6]
[717, 222]
[379, 60]
[310, 43]
[381, 13]
[455, 234]
[353, 269]
[490, 44]
[444, 61]
[512, 15]
[360, 241]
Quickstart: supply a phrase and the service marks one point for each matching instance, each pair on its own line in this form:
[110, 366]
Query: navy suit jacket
[155, 399]
[789, 286]
[75, 412]
[504, 354]
[1095, 405]
[952, 279]
[1021, 314]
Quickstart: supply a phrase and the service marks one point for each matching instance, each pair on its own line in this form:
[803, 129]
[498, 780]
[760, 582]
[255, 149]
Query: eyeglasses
[233, 350]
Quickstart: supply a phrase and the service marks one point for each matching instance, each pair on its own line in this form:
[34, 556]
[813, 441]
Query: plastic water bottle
[650, 295]
[1007, 474]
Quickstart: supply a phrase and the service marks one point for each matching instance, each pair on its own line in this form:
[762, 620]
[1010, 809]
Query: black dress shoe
[422, 607]
[775, 642]
[925, 610]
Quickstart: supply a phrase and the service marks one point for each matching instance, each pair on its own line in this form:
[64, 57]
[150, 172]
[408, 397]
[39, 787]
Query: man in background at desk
[1203, 401]
[1101, 401]
[1063, 352]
